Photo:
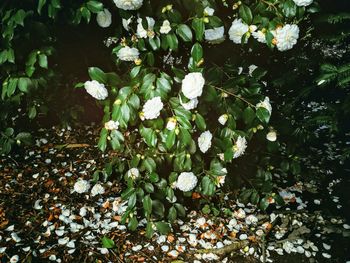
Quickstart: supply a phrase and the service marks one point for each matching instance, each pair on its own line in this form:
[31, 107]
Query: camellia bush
[174, 120]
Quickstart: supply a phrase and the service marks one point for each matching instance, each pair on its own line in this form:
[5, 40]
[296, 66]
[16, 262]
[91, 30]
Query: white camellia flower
[239, 147]
[127, 22]
[208, 11]
[171, 124]
[141, 32]
[186, 181]
[104, 18]
[112, 125]
[204, 141]
[237, 30]
[165, 28]
[190, 105]
[215, 35]
[265, 104]
[96, 89]
[97, 189]
[259, 36]
[287, 37]
[271, 136]
[128, 4]
[251, 69]
[223, 119]
[133, 173]
[192, 85]
[81, 186]
[303, 2]
[151, 109]
[128, 53]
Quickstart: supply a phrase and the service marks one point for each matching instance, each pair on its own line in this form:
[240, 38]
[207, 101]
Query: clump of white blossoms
[215, 35]
[208, 11]
[81, 186]
[260, 36]
[265, 104]
[128, 4]
[96, 89]
[286, 37]
[204, 141]
[171, 124]
[303, 2]
[239, 147]
[112, 125]
[151, 109]
[223, 119]
[186, 181]
[127, 22]
[192, 85]
[104, 18]
[190, 105]
[237, 30]
[141, 32]
[97, 189]
[271, 136]
[165, 28]
[133, 173]
[128, 54]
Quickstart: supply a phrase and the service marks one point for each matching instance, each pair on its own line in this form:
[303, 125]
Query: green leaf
[97, 74]
[133, 223]
[184, 31]
[200, 122]
[41, 3]
[163, 227]
[132, 200]
[149, 164]
[12, 86]
[208, 187]
[197, 52]
[263, 114]
[102, 143]
[172, 214]
[170, 139]
[246, 14]
[32, 112]
[158, 208]
[248, 115]
[149, 136]
[94, 6]
[149, 187]
[264, 203]
[147, 205]
[198, 27]
[107, 242]
[135, 71]
[172, 41]
[43, 61]
[180, 209]
[289, 8]
[149, 230]
[23, 84]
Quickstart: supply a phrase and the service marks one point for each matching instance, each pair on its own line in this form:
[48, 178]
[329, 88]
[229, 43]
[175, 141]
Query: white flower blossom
[104, 18]
[260, 36]
[303, 2]
[127, 22]
[112, 125]
[265, 104]
[251, 69]
[190, 105]
[165, 28]
[220, 180]
[171, 124]
[192, 85]
[151, 109]
[128, 4]
[128, 53]
[208, 11]
[215, 35]
[14, 259]
[133, 173]
[186, 181]
[81, 186]
[239, 147]
[141, 32]
[271, 136]
[204, 141]
[237, 30]
[287, 37]
[97, 189]
[96, 89]
[223, 119]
